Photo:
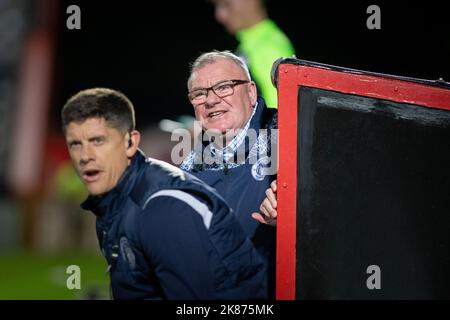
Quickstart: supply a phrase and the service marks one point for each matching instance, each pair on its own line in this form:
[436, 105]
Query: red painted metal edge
[287, 182]
[374, 87]
[290, 78]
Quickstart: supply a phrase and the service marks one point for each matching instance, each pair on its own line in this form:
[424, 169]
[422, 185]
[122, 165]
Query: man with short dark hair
[164, 233]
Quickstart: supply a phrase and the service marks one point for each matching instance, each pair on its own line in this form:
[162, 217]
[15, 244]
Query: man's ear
[134, 138]
[252, 92]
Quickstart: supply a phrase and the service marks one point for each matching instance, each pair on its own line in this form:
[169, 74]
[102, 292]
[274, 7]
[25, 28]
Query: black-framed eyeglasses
[222, 89]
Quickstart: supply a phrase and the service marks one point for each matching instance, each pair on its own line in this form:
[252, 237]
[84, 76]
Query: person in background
[164, 233]
[261, 41]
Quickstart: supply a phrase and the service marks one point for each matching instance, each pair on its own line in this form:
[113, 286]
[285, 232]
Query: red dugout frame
[290, 74]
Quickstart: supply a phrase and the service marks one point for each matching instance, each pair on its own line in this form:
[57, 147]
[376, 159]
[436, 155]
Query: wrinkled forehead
[89, 126]
[210, 73]
[94, 123]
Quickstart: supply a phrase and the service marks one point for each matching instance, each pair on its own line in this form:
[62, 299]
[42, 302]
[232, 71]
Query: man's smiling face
[222, 114]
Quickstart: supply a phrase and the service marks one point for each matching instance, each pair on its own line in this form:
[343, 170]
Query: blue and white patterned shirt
[226, 153]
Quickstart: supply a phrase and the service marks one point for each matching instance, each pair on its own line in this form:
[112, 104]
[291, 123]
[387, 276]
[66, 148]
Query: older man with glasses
[234, 154]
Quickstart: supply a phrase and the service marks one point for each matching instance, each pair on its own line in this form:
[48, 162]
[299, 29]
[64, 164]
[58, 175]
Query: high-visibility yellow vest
[261, 45]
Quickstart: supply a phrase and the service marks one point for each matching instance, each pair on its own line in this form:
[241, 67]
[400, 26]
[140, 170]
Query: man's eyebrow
[100, 136]
[196, 88]
[200, 88]
[71, 141]
[90, 139]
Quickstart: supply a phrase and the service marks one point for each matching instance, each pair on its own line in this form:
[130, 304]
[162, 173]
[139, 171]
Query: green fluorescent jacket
[261, 45]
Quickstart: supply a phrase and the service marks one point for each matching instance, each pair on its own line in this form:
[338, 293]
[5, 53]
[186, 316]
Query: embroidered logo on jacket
[127, 253]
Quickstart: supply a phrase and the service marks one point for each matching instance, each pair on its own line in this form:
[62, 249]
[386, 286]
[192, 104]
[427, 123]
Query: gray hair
[214, 56]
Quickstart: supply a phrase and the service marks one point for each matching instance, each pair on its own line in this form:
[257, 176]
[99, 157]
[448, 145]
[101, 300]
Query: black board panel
[373, 189]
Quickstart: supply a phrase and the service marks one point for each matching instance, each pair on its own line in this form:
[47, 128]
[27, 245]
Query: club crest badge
[261, 168]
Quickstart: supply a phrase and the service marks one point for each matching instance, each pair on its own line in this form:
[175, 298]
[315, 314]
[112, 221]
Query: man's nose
[86, 154]
[211, 98]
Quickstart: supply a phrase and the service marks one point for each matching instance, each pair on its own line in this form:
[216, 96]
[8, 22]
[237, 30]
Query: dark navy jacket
[167, 235]
[243, 192]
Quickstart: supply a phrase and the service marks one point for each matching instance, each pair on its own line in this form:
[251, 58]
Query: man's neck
[253, 13]
[255, 19]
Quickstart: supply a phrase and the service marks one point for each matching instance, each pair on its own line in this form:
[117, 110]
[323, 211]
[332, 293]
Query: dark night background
[144, 48]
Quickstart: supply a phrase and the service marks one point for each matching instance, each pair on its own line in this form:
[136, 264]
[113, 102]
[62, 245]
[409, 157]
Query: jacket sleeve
[173, 236]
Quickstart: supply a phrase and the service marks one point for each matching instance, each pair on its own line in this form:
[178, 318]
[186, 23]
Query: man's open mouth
[215, 114]
[91, 175]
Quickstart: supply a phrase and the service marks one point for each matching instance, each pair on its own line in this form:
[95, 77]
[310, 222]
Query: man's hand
[268, 208]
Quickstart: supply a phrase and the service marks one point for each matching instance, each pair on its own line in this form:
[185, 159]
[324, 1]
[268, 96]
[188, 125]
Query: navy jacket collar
[255, 123]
